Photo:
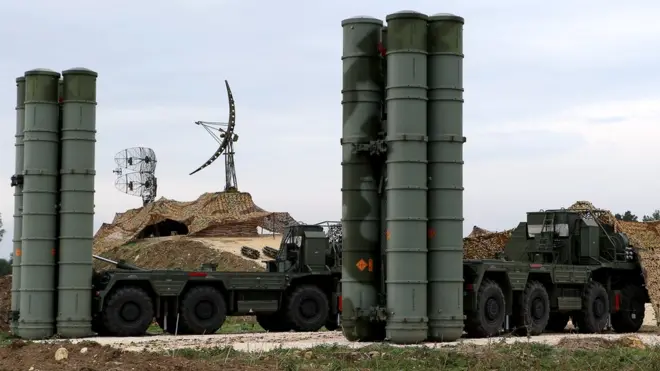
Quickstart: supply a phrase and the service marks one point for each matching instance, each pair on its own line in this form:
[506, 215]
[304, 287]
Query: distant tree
[5, 267]
[2, 230]
[627, 217]
[11, 258]
[653, 217]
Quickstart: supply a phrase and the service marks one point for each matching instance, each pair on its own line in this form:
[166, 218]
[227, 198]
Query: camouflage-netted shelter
[224, 214]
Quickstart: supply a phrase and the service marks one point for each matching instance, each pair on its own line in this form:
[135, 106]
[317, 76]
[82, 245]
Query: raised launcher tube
[74, 317]
[406, 178]
[445, 170]
[17, 182]
[40, 183]
[361, 111]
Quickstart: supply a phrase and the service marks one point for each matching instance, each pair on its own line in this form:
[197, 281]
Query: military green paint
[77, 173]
[361, 111]
[18, 204]
[383, 196]
[39, 238]
[445, 170]
[406, 101]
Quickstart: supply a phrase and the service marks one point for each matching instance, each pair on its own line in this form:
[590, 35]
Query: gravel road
[259, 342]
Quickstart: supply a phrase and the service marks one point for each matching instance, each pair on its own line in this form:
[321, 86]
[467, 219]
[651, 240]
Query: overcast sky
[562, 101]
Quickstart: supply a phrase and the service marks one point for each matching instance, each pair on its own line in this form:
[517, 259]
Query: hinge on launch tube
[16, 180]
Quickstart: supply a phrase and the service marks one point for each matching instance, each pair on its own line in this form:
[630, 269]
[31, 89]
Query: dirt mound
[5, 302]
[228, 214]
[485, 245]
[23, 356]
[178, 252]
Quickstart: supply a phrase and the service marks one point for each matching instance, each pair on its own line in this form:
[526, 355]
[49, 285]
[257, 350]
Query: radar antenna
[139, 180]
[225, 139]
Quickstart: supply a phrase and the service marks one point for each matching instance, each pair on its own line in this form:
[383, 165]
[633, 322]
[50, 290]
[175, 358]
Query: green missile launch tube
[445, 169]
[77, 173]
[406, 177]
[361, 111]
[40, 180]
[17, 183]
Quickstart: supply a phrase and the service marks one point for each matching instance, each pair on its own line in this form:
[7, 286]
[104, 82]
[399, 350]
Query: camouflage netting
[224, 214]
[644, 237]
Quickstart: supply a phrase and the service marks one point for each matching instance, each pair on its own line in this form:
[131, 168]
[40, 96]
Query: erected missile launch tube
[361, 111]
[40, 182]
[77, 173]
[445, 170]
[406, 178]
[17, 183]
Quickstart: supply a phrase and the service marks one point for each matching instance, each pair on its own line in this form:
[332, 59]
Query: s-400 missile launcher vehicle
[299, 291]
[558, 264]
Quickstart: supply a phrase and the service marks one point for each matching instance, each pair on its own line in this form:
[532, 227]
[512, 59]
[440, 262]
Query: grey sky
[561, 102]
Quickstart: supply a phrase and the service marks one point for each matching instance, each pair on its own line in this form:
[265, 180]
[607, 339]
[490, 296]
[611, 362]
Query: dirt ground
[179, 252]
[5, 302]
[89, 356]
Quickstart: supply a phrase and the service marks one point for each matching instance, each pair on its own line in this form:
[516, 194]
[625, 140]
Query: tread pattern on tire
[473, 324]
[270, 252]
[188, 324]
[299, 324]
[111, 321]
[621, 321]
[583, 320]
[529, 289]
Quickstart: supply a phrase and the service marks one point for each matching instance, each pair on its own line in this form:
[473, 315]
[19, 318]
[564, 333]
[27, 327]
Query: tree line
[628, 216]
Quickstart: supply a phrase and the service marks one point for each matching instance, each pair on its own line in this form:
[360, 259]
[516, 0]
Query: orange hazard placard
[371, 265]
[18, 252]
[387, 234]
[430, 233]
[361, 264]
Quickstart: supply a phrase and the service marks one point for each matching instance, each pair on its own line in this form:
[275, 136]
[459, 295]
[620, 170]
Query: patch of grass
[524, 356]
[6, 338]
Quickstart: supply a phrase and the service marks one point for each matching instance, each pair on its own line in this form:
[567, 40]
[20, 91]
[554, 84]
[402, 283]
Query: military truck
[558, 264]
[299, 291]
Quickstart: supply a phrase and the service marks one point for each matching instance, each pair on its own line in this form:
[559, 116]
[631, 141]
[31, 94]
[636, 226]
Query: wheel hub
[308, 308]
[538, 309]
[598, 308]
[130, 312]
[492, 309]
[204, 310]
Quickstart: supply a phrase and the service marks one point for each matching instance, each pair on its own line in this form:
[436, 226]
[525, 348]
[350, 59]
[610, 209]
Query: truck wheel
[332, 324]
[203, 310]
[535, 308]
[557, 322]
[595, 309]
[630, 316]
[488, 319]
[273, 322]
[128, 312]
[307, 308]
[97, 326]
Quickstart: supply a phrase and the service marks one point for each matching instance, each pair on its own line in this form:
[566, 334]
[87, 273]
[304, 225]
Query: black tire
[203, 310]
[557, 322]
[534, 310]
[593, 317]
[273, 322]
[332, 324]
[488, 319]
[128, 311]
[630, 316]
[307, 308]
[98, 327]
